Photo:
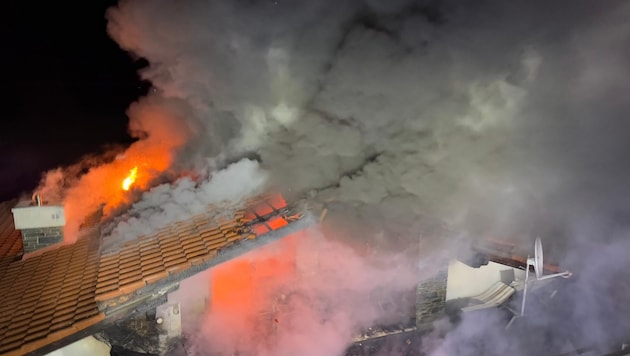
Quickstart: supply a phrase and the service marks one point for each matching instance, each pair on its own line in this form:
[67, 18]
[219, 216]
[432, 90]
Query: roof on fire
[51, 297]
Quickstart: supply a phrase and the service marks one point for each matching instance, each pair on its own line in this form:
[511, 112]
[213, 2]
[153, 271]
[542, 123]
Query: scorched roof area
[332, 177]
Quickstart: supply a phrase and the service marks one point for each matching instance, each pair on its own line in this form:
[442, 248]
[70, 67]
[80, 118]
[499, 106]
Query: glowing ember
[133, 173]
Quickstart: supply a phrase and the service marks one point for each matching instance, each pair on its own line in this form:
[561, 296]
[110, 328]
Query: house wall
[86, 346]
[236, 290]
[431, 300]
[193, 295]
[465, 281]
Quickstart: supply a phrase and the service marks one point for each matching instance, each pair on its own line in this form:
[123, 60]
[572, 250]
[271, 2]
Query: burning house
[394, 111]
[57, 296]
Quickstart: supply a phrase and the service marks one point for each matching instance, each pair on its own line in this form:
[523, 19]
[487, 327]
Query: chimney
[41, 225]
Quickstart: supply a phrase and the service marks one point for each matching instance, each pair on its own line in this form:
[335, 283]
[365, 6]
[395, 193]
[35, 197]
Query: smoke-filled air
[446, 121]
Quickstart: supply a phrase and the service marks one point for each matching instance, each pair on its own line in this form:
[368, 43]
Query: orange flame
[156, 122]
[127, 182]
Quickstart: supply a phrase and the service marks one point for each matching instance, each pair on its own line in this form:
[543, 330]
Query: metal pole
[525, 289]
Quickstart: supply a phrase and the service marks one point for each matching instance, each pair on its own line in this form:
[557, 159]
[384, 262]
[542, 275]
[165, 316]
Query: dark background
[65, 86]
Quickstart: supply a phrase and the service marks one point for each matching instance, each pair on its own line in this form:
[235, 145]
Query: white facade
[86, 346]
[465, 281]
[35, 217]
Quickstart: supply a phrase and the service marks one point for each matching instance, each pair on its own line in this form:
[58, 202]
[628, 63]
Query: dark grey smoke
[505, 119]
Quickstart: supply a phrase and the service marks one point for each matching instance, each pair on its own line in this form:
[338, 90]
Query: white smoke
[171, 202]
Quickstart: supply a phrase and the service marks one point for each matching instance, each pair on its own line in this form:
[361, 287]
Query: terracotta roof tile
[196, 250]
[42, 294]
[207, 229]
[155, 277]
[151, 260]
[40, 319]
[193, 245]
[43, 308]
[18, 327]
[8, 346]
[260, 229]
[174, 249]
[143, 244]
[216, 245]
[63, 315]
[191, 242]
[36, 335]
[249, 217]
[41, 325]
[189, 238]
[213, 238]
[86, 294]
[107, 259]
[55, 294]
[262, 209]
[10, 239]
[59, 325]
[175, 262]
[204, 258]
[228, 226]
[131, 286]
[179, 267]
[106, 277]
[67, 293]
[127, 279]
[151, 266]
[131, 268]
[153, 269]
[235, 237]
[171, 250]
[277, 201]
[277, 222]
[12, 339]
[84, 314]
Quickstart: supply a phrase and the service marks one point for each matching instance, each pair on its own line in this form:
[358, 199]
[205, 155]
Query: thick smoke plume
[503, 119]
[165, 204]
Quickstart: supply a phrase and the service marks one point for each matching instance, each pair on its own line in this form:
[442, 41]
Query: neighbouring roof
[54, 295]
[507, 253]
[49, 296]
[10, 239]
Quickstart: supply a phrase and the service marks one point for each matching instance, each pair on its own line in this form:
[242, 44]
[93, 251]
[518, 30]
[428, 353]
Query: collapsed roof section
[61, 295]
[505, 253]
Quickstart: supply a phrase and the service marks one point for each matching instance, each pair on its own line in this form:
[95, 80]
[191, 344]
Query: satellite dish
[537, 263]
[538, 258]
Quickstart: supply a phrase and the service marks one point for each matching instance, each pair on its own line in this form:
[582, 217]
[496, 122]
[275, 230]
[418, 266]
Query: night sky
[66, 86]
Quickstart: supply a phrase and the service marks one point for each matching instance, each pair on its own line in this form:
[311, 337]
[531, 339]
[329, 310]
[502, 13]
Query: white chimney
[41, 225]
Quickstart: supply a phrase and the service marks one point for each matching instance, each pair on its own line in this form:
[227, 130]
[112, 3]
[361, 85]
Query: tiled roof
[509, 254]
[10, 239]
[57, 293]
[177, 248]
[48, 297]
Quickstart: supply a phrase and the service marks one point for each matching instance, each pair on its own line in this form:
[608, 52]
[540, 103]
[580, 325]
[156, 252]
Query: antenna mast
[537, 262]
